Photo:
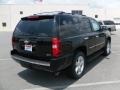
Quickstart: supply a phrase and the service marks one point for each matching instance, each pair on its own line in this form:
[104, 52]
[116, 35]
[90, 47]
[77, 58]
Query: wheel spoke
[108, 47]
[79, 65]
[76, 69]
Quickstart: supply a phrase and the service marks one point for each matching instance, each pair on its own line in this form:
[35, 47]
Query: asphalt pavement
[101, 74]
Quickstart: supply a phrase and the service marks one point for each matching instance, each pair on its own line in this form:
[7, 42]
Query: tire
[107, 49]
[76, 70]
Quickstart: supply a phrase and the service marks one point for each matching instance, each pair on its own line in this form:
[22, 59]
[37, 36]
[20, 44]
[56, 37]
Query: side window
[81, 25]
[109, 23]
[95, 25]
[76, 24]
[84, 25]
[66, 26]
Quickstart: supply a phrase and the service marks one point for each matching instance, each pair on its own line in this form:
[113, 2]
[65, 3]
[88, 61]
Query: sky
[91, 3]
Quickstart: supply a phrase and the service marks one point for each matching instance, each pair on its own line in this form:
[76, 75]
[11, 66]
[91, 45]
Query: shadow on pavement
[93, 63]
[47, 80]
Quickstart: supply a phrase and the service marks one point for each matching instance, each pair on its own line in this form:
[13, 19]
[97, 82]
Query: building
[11, 14]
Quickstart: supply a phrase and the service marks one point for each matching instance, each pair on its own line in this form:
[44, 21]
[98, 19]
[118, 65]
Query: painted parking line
[78, 85]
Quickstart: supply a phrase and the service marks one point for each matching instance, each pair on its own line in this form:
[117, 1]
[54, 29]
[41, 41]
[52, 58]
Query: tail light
[13, 41]
[56, 47]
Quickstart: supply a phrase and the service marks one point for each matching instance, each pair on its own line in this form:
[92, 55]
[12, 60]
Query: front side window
[95, 25]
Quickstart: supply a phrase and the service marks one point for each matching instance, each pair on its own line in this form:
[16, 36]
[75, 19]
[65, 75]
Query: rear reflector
[56, 47]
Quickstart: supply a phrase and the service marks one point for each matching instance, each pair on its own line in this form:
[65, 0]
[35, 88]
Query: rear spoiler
[35, 17]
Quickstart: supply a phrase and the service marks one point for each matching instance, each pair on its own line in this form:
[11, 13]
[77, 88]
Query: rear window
[109, 23]
[42, 27]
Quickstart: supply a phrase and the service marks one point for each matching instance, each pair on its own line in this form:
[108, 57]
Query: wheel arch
[82, 49]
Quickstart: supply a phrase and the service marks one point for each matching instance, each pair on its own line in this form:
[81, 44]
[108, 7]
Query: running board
[94, 56]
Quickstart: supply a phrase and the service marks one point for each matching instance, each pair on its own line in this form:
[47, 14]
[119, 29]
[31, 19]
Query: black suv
[59, 41]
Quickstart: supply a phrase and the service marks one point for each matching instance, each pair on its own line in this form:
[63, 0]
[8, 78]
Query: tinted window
[84, 25]
[73, 25]
[109, 23]
[66, 26]
[42, 27]
[95, 25]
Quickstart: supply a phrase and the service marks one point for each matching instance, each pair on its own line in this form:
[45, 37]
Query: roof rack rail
[50, 13]
[79, 14]
[82, 15]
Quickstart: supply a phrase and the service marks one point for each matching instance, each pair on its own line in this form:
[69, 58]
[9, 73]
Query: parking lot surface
[101, 74]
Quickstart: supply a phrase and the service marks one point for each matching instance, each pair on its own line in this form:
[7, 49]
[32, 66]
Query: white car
[109, 24]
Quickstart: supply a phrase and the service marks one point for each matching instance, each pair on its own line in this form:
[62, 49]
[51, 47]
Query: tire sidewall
[74, 74]
[105, 49]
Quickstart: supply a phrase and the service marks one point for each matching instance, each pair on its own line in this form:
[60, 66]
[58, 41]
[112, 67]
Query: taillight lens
[56, 47]
[13, 41]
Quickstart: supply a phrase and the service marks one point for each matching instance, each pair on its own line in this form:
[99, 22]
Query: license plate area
[28, 48]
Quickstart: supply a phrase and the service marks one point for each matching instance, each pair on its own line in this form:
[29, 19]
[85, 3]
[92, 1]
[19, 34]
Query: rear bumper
[52, 65]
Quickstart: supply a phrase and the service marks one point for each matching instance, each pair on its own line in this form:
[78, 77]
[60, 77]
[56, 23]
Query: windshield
[42, 27]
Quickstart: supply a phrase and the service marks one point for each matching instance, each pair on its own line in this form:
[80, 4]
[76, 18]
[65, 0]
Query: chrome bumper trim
[32, 61]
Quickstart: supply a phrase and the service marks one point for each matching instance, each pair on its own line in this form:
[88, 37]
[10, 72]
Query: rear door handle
[86, 38]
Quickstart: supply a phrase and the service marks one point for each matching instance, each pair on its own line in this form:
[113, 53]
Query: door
[98, 35]
[88, 35]
[91, 42]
